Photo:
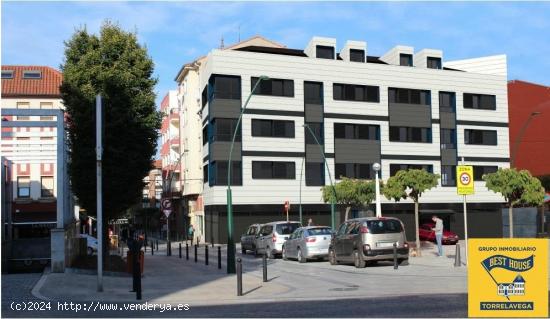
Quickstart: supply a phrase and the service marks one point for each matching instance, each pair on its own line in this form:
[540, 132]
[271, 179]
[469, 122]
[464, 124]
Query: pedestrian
[438, 229]
[310, 222]
[191, 233]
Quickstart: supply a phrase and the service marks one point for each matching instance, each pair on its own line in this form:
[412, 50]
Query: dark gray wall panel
[447, 120]
[224, 108]
[313, 153]
[219, 151]
[356, 151]
[410, 115]
[314, 113]
[448, 157]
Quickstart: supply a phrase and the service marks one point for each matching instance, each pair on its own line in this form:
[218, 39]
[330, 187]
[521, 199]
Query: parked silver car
[248, 239]
[368, 239]
[272, 236]
[308, 242]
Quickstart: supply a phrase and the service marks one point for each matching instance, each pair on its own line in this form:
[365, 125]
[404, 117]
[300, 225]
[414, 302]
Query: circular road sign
[166, 204]
[465, 178]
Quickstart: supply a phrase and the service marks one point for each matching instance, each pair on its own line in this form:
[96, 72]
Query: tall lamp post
[333, 198]
[376, 167]
[517, 142]
[230, 240]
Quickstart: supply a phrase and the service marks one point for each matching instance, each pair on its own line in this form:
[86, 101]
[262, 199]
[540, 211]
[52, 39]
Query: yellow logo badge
[508, 278]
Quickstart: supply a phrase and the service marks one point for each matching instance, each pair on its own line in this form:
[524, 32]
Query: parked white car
[91, 243]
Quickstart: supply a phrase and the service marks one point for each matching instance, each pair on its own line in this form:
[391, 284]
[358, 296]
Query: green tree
[351, 192]
[517, 188]
[411, 184]
[114, 65]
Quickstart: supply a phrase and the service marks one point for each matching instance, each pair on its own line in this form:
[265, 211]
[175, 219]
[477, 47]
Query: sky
[33, 33]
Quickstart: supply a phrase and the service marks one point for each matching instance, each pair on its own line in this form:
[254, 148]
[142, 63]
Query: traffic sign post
[465, 186]
[287, 207]
[166, 204]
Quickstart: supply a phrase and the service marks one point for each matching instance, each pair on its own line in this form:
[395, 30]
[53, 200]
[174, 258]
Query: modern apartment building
[404, 109]
[42, 219]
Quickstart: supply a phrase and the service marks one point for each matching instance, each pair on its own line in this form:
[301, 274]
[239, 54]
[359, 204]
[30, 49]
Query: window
[448, 138]
[273, 170]
[315, 174]
[7, 74]
[274, 87]
[218, 173]
[356, 55]
[351, 92]
[480, 137]
[226, 87]
[410, 134]
[353, 170]
[479, 101]
[205, 134]
[394, 168]
[223, 130]
[205, 173]
[325, 52]
[448, 175]
[23, 187]
[317, 130]
[32, 74]
[23, 106]
[479, 171]
[47, 186]
[313, 93]
[273, 128]
[409, 96]
[46, 106]
[357, 131]
[405, 59]
[204, 96]
[433, 63]
[447, 102]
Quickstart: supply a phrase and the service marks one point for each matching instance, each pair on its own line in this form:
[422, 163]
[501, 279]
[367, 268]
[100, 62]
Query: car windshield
[287, 229]
[384, 226]
[318, 231]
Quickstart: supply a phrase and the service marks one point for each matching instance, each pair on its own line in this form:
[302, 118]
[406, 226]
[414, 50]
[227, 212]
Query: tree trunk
[511, 220]
[347, 213]
[418, 250]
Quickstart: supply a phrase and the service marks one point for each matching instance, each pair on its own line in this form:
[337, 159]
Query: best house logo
[508, 278]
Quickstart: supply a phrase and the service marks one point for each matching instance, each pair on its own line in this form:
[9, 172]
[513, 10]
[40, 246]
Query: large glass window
[273, 170]
[433, 63]
[274, 87]
[480, 137]
[223, 130]
[352, 92]
[479, 171]
[205, 134]
[315, 174]
[324, 52]
[448, 175]
[313, 93]
[356, 55]
[356, 131]
[272, 128]
[47, 186]
[410, 134]
[447, 102]
[226, 87]
[448, 138]
[353, 170]
[218, 173]
[409, 96]
[394, 168]
[405, 59]
[479, 101]
[23, 186]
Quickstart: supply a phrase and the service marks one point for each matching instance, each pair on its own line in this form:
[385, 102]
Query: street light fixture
[376, 167]
[333, 198]
[230, 240]
[520, 136]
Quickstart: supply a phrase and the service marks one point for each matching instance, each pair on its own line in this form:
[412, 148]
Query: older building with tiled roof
[30, 81]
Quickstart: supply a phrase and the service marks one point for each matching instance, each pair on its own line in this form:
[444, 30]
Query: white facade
[300, 69]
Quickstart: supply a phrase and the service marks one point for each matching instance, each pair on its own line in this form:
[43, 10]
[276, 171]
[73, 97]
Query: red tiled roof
[48, 85]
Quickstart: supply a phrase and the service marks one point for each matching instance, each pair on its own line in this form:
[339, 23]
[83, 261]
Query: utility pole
[99, 157]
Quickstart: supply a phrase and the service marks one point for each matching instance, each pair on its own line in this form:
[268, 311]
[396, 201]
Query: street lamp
[333, 198]
[520, 136]
[376, 167]
[230, 241]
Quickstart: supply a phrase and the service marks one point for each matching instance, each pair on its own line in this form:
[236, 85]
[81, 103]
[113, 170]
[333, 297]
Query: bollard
[157, 245]
[180, 250]
[239, 277]
[457, 256]
[196, 247]
[206, 255]
[264, 262]
[169, 248]
[152, 248]
[186, 251]
[395, 256]
[212, 244]
[219, 257]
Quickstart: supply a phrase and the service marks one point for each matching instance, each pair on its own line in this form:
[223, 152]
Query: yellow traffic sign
[465, 180]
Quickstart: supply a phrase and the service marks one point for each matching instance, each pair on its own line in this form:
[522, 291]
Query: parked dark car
[425, 232]
[361, 240]
[248, 239]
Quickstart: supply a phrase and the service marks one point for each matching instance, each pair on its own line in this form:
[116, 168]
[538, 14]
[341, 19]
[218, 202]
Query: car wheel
[301, 258]
[90, 251]
[404, 261]
[358, 260]
[332, 257]
[285, 257]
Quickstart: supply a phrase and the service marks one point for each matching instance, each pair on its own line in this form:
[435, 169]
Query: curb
[36, 289]
[81, 271]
